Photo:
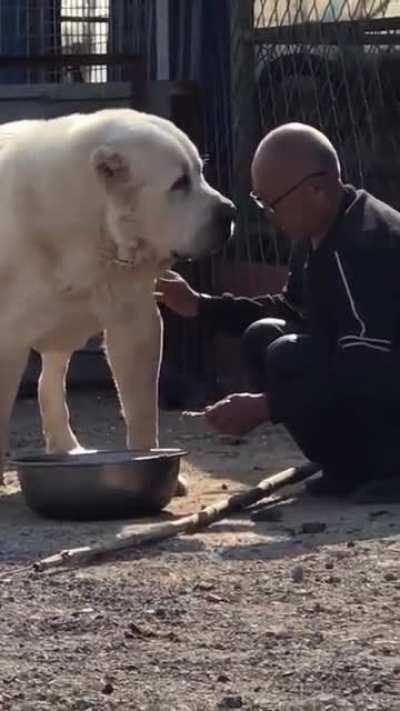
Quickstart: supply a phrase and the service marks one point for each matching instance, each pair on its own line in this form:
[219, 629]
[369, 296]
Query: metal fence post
[243, 106]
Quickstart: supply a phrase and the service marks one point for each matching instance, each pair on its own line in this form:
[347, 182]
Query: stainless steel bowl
[99, 484]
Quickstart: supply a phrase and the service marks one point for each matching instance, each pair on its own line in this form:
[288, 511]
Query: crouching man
[333, 379]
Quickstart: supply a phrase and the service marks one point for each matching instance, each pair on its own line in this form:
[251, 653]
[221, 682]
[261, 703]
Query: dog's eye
[183, 183]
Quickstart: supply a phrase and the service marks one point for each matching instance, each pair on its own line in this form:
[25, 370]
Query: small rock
[290, 531]
[376, 514]
[204, 585]
[297, 574]
[224, 487]
[214, 598]
[232, 440]
[271, 514]
[223, 679]
[231, 702]
[161, 613]
[377, 687]
[329, 565]
[107, 688]
[333, 579]
[85, 702]
[313, 527]
[390, 577]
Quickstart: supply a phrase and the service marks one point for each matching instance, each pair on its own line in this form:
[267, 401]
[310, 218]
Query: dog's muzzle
[215, 234]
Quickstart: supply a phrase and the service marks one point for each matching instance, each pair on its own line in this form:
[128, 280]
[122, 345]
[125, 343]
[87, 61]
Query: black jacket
[352, 287]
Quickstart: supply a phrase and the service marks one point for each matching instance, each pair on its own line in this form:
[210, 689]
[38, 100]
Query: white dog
[93, 208]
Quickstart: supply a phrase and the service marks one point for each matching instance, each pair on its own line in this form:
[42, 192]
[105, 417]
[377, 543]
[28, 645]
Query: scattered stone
[214, 598]
[297, 574]
[204, 585]
[329, 565]
[270, 514]
[146, 633]
[161, 613]
[390, 577]
[290, 531]
[231, 702]
[313, 527]
[333, 579]
[224, 487]
[231, 440]
[138, 631]
[85, 702]
[317, 638]
[223, 679]
[107, 688]
[377, 687]
[376, 514]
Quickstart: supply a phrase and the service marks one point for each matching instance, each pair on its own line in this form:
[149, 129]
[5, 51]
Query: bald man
[336, 387]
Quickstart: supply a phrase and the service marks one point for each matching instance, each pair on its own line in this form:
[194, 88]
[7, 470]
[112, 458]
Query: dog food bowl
[99, 484]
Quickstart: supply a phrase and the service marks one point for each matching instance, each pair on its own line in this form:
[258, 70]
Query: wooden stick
[186, 524]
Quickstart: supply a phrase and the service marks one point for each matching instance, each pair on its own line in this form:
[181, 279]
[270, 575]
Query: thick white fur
[88, 221]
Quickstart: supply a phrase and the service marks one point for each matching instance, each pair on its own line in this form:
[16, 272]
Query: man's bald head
[292, 151]
[296, 176]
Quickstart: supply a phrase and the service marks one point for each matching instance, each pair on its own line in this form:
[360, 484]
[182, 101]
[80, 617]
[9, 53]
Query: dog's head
[158, 203]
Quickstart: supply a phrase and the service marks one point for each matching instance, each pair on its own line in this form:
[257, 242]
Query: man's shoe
[378, 491]
[327, 485]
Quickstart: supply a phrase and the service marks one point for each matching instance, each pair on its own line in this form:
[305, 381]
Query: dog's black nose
[224, 217]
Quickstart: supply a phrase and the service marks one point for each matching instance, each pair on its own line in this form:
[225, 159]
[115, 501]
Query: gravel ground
[273, 615]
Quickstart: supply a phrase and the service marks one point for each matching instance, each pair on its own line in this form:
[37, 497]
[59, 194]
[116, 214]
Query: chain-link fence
[32, 27]
[334, 64]
[85, 28]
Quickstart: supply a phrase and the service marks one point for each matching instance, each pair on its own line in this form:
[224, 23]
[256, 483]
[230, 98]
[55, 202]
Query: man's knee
[291, 354]
[259, 336]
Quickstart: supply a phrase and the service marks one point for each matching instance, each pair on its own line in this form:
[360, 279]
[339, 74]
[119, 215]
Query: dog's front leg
[54, 411]
[12, 365]
[134, 348]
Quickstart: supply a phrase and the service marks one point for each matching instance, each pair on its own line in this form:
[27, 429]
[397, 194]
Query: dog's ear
[111, 167]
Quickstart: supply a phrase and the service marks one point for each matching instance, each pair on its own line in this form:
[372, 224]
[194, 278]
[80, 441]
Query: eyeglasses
[260, 202]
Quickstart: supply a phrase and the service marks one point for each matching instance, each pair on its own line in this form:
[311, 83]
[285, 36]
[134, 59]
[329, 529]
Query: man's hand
[238, 414]
[174, 291]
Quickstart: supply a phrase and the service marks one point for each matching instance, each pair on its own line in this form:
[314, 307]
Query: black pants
[255, 342]
[352, 438]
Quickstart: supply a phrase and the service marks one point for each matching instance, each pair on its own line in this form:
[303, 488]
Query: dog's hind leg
[11, 368]
[54, 411]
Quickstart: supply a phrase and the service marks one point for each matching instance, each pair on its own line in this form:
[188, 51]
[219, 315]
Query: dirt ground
[250, 615]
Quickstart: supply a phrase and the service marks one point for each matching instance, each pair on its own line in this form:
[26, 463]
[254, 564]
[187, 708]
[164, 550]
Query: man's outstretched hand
[238, 414]
[173, 291]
